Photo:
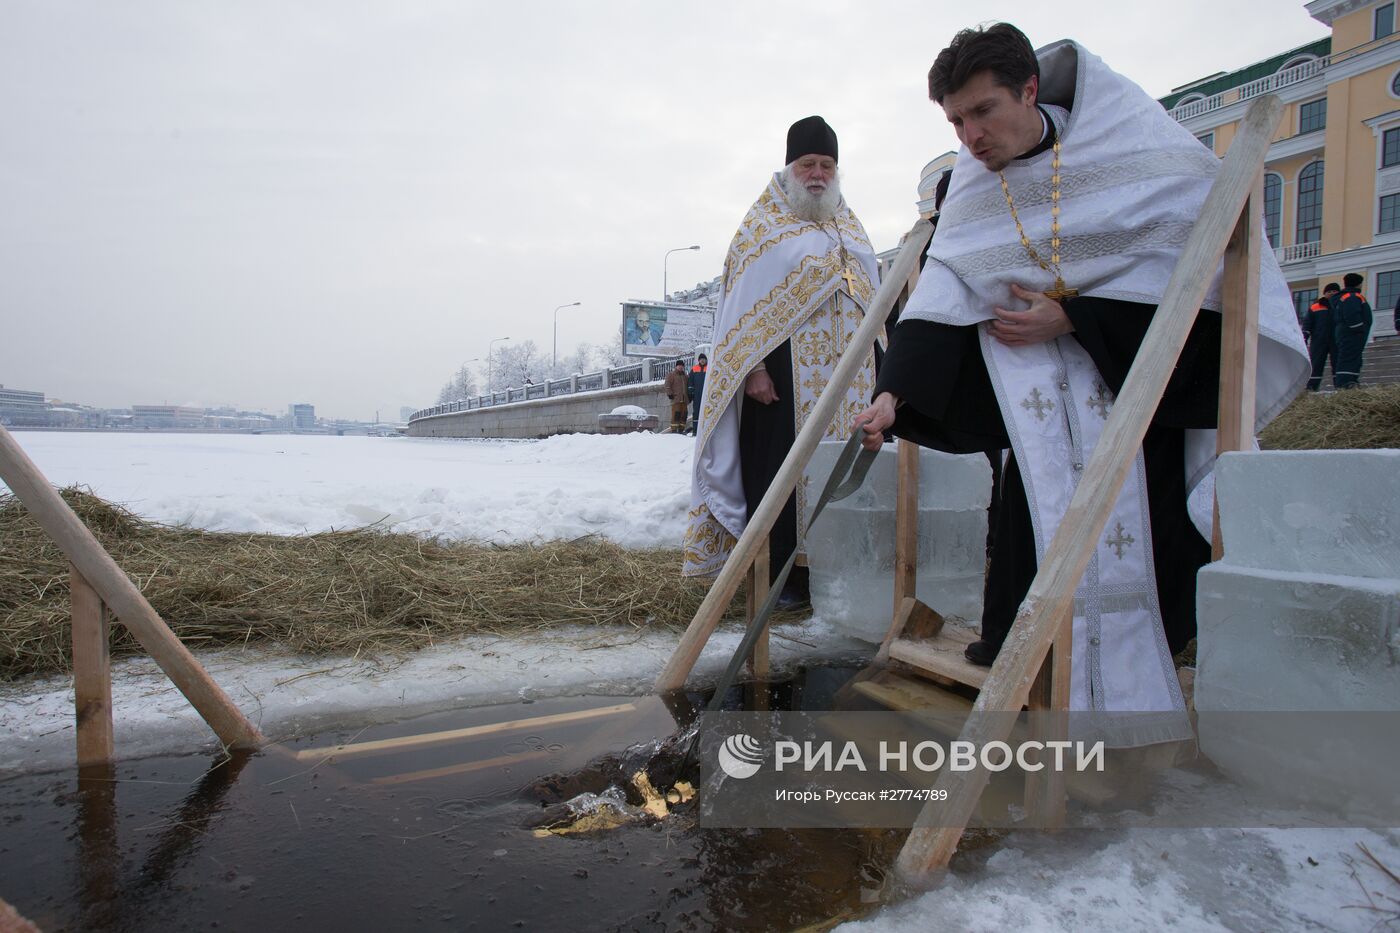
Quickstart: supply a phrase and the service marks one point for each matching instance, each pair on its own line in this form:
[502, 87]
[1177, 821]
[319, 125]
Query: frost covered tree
[512, 363]
[582, 360]
[461, 385]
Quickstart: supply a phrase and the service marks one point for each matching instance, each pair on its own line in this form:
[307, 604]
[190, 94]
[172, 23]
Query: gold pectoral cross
[850, 282]
[1061, 291]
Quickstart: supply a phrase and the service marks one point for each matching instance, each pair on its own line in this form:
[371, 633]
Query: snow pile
[635, 412]
[633, 488]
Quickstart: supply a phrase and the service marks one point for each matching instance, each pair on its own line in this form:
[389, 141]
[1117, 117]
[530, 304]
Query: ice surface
[1318, 511]
[850, 549]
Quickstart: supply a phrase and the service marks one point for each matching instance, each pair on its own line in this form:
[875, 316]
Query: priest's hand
[875, 421]
[1044, 320]
[759, 387]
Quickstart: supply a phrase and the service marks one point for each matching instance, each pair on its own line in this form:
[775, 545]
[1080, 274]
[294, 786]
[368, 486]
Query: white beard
[817, 208]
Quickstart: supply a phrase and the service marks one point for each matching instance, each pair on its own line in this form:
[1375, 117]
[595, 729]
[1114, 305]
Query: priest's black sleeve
[947, 402]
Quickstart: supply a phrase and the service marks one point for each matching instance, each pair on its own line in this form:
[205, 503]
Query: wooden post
[117, 591]
[906, 523]
[1045, 789]
[1239, 339]
[92, 672]
[761, 524]
[758, 580]
[1050, 599]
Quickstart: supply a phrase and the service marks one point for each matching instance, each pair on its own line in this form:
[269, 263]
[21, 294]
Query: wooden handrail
[115, 588]
[756, 532]
[1049, 602]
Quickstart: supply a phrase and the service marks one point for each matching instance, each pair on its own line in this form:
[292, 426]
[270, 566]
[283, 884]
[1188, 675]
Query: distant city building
[166, 417]
[23, 407]
[406, 412]
[1342, 115]
[303, 417]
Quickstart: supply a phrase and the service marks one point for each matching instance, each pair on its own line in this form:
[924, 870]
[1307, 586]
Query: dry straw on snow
[346, 591]
[1364, 419]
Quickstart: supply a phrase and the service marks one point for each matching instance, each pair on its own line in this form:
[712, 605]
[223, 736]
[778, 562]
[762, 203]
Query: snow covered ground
[632, 488]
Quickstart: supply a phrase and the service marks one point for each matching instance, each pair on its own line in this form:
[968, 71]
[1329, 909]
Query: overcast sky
[256, 203]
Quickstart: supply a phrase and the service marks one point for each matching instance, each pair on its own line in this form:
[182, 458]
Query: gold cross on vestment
[850, 281]
[1061, 291]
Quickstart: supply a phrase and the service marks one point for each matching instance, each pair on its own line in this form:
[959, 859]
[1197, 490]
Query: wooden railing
[97, 583]
[1229, 225]
[1032, 669]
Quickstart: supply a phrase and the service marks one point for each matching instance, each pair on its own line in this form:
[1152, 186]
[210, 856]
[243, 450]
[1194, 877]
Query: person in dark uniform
[697, 387]
[1351, 327]
[1318, 332]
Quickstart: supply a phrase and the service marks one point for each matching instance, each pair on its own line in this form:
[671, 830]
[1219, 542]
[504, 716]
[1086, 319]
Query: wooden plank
[428, 739]
[12, 922]
[1045, 789]
[906, 522]
[1239, 339]
[1051, 595]
[942, 656]
[759, 575]
[907, 693]
[117, 591]
[92, 672]
[722, 592]
[465, 767]
[921, 623]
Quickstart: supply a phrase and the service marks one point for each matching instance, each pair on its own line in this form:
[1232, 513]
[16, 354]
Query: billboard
[656, 329]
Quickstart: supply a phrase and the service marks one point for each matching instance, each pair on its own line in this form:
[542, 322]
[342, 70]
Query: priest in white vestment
[797, 279]
[1069, 204]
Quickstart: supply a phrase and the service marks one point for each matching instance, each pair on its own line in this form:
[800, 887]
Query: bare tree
[460, 386]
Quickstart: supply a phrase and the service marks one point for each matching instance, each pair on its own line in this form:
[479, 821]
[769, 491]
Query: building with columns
[1332, 177]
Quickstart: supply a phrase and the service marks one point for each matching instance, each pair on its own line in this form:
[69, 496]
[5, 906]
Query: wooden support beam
[758, 587]
[1050, 599]
[117, 591]
[761, 524]
[1048, 704]
[906, 522]
[1239, 339]
[92, 672]
[449, 736]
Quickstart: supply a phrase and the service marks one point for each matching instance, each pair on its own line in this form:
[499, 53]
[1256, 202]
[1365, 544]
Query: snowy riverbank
[633, 489]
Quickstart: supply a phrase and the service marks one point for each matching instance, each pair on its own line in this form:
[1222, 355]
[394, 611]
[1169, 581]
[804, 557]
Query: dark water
[438, 836]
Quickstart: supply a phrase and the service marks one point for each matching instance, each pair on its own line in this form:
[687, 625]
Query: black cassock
[766, 434]
[937, 372]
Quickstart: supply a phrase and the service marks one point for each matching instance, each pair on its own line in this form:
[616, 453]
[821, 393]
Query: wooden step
[942, 656]
[910, 694]
[905, 693]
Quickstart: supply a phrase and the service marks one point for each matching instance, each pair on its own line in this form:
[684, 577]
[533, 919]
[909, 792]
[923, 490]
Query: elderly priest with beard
[1070, 201]
[798, 277]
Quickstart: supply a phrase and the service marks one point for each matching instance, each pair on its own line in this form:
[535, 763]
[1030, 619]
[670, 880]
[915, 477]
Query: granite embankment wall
[543, 417]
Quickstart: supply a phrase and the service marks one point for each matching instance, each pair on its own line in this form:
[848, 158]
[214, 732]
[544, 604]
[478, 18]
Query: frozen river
[632, 489]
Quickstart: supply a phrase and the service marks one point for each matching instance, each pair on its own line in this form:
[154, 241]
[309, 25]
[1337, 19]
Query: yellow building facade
[1332, 176]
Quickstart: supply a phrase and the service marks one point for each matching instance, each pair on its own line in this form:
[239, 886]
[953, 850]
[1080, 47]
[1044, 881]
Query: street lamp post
[491, 386]
[573, 304]
[678, 249]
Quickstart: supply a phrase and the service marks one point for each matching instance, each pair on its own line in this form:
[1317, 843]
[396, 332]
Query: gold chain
[1053, 267]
